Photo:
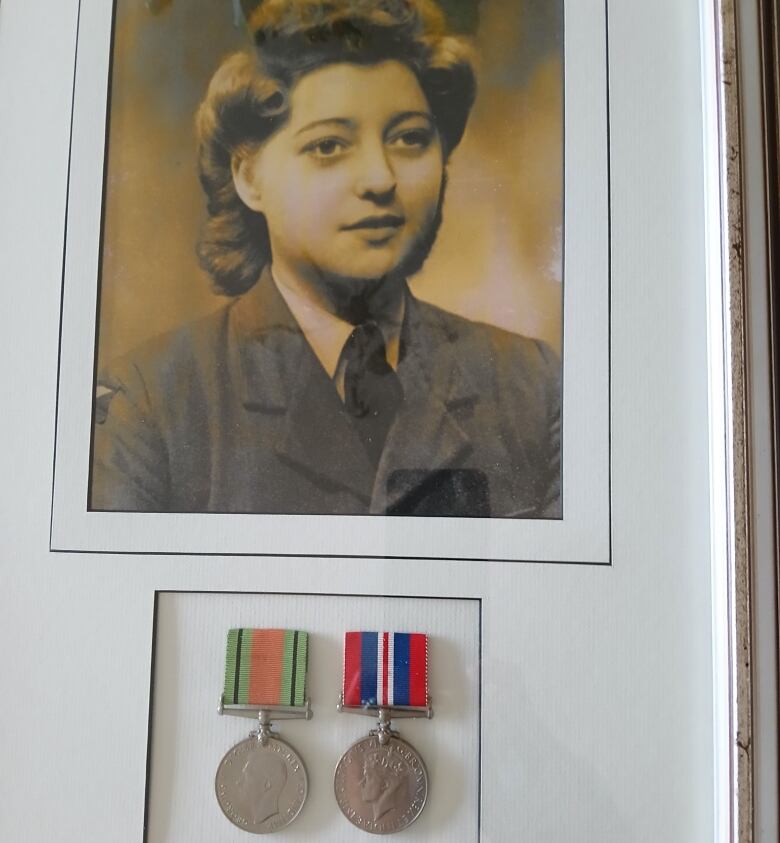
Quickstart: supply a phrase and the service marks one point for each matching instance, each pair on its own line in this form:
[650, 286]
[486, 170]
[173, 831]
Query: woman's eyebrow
[328, 121]
[407, 115]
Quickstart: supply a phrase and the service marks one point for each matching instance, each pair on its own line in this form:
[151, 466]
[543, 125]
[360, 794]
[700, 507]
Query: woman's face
[351, 185]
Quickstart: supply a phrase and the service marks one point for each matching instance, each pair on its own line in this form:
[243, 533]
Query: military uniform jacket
[235, 413]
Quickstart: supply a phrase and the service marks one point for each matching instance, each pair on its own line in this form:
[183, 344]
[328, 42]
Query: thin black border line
[607, 563]
[258, 555]
[64, 264]
[564, 238]
[153, 665]
[150, 718]
[479, 715]
[609, 284]
[102, 243]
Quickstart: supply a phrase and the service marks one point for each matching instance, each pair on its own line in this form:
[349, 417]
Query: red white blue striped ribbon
[386, 669]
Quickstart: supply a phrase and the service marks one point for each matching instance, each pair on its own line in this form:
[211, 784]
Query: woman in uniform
[325, 386]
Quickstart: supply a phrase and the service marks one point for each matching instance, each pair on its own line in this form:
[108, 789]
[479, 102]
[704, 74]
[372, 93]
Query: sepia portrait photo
[331, 271]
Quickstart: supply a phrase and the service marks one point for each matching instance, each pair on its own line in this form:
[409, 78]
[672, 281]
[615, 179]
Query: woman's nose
[375, 178]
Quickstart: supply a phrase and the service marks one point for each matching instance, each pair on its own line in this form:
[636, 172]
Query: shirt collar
[326, 333]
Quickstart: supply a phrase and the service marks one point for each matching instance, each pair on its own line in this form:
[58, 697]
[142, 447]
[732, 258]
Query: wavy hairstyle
[247, 100]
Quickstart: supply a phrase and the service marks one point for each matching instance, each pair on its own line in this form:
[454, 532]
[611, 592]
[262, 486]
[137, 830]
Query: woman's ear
[246, 179]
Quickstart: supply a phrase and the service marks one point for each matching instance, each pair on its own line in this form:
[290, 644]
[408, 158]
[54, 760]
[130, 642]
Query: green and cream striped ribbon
[266, 667]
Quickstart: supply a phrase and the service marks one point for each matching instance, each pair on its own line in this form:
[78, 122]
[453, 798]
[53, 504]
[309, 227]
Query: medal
[261, 782]
[381, 782]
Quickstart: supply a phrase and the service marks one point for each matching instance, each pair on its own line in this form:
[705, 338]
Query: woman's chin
[364, 273]
[367, 263]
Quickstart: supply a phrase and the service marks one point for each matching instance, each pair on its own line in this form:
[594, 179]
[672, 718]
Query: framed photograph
[378, 344]
[221, 385]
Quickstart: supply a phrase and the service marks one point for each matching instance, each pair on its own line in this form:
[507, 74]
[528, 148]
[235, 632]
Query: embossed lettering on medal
[261, 783]
[381, 783]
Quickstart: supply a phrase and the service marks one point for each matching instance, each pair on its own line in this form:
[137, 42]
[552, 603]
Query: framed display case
[573, 494]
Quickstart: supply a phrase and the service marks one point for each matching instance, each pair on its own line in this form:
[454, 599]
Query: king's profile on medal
[383, 784]
[325, 386]
[259, 786]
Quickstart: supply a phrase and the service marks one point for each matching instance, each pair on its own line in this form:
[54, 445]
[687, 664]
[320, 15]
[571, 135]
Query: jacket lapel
[282, 377]
[427, 434]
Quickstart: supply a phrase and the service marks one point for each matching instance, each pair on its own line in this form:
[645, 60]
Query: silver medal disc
[261, 788]
[381, 789]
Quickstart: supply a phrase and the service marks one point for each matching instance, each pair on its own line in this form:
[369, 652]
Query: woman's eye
[413, 139]
[326, 148]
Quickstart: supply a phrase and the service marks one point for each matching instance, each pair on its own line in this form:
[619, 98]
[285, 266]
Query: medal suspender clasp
[384, 715]
[265, 714]
[278, 712]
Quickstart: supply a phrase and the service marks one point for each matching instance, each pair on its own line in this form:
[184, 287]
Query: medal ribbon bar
[386, 670]
[265, 670]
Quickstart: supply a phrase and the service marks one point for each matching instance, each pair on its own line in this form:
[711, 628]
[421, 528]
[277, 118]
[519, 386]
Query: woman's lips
[378, 224]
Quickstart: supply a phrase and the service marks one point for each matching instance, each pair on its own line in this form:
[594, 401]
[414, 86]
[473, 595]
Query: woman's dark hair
[247, 100]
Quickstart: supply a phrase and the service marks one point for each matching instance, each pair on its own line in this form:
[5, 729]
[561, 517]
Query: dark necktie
[372, 391]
